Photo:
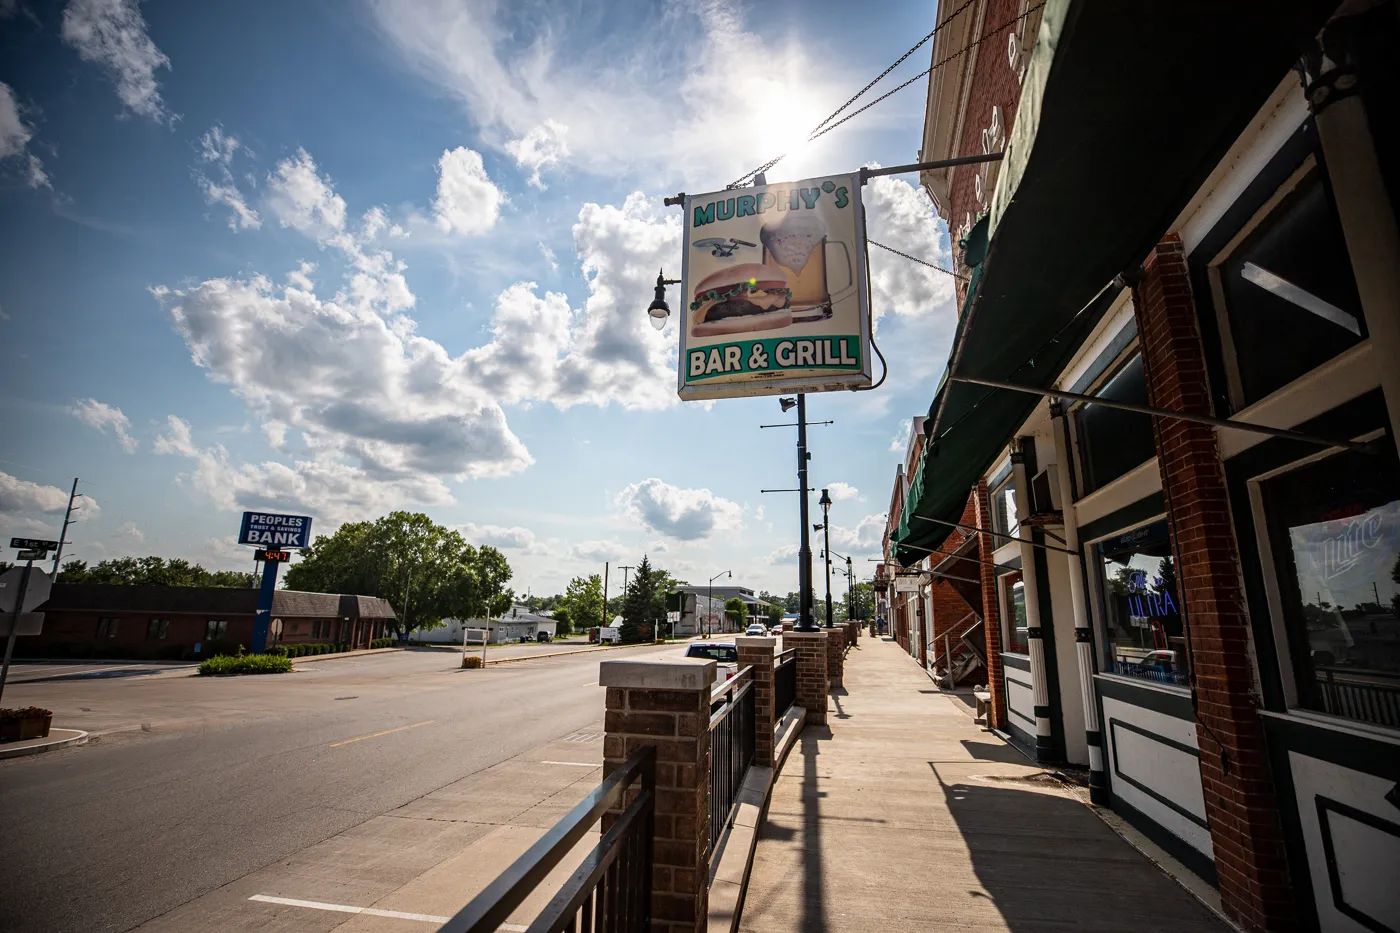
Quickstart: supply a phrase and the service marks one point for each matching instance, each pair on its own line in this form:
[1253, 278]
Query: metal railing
[610, 891]
[1354, 695]
[731, 746]
[784, 682]
[952, 641]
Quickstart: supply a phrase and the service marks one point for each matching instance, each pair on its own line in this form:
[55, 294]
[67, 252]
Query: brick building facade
[99, 620]
[1205, 615]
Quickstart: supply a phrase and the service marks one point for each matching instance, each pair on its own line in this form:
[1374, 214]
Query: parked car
[543, 636]
[756, 629]
[724, 653]
[776, 630]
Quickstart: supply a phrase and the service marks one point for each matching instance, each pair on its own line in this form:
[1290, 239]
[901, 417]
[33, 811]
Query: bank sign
[266, 529]
[774, 284]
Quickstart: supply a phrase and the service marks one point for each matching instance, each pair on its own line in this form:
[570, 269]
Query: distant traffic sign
[32, 554]
[277, 557]
[281, 531]
[35, 544]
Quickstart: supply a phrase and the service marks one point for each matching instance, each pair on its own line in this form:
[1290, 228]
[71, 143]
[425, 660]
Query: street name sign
[34, 544]
[279, 531]
[33, 554]
[775, 288]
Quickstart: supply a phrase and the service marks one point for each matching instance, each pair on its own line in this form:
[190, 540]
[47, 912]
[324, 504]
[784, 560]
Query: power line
[921, 262]
[826, 126]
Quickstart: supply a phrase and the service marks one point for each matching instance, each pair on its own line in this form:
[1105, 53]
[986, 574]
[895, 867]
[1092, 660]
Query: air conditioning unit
[1045, 493]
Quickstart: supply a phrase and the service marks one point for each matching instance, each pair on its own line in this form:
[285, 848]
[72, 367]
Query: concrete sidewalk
[903, 814]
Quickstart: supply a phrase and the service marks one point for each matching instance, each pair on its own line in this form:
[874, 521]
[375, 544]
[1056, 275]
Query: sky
[343, 258]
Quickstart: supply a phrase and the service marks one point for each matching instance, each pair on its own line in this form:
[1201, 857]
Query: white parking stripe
[368, 911]
[577, 764]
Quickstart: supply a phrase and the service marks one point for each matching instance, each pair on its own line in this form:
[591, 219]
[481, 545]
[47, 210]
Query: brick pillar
[991, 610]
[667, 704]
[811, 673]
[1239, 793]
[835, 655]
[757, 653]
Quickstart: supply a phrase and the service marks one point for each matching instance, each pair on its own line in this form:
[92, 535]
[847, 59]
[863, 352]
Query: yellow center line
[385, 732]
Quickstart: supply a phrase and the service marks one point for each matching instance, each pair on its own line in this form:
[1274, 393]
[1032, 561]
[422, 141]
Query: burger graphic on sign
[739, 299]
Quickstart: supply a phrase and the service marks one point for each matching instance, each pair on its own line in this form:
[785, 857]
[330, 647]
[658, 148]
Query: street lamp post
[825, 503]
[711, 597]
[850, 583]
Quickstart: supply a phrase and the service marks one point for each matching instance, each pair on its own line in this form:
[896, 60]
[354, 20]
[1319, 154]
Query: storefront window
[1004, 512]
[1335, 530]
[1113, 441]
[1290, 294]
[1142, 606]
[1013, 600]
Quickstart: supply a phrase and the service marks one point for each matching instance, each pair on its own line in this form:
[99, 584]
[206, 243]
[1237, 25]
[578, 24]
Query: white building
[519, 621]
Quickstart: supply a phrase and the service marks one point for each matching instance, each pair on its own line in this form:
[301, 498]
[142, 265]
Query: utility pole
[408, 583]
[624, 568]
[605, 621]
[63, 532]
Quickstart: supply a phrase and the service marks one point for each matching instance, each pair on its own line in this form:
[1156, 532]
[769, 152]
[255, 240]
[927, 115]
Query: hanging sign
[775, 289]
[280, 531]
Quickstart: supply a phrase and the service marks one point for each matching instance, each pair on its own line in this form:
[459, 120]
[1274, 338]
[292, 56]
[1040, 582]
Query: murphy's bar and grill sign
[774, 281]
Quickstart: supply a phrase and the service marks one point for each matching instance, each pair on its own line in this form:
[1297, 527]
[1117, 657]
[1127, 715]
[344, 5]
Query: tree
[644, 604]
[427, 572]
[562, 623]
[775, 614]
[864, 598]
[792, 602]
[152, 571]
[583, 600]
[737, 612]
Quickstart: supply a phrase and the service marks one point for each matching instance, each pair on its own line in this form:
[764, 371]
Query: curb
[562, 654]
[77, 737]
[363, 652]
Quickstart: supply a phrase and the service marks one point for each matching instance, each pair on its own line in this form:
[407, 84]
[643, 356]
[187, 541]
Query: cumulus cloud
[468, 201]
[596, 552]
[323, 483]
[787, 554]
[900, 215]
[543, 145]
[900, 442]
[839, 491]
[101, 416]
[15, 135]
[111, 34]
[867, 535]
[372, 399]
[305, 199]
[514, 537]
[687, 514]
[18, 495]
[217, 150]
[624, 104]
[130, 532]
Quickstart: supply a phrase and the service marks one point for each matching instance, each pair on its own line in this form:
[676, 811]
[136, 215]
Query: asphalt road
[212, 779]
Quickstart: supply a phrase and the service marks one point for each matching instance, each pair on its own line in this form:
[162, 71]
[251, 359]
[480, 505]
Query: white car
[724, 653]
[756, 629]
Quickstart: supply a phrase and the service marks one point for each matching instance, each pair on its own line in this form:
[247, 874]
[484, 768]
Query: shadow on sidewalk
[814, 908]
[1045, 863]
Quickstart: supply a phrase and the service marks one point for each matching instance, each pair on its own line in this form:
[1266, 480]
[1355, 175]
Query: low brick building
[101, 620]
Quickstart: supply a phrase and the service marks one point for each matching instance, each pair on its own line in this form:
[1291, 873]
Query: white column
[1083, 634]
[1368, 222]
[1040, 691]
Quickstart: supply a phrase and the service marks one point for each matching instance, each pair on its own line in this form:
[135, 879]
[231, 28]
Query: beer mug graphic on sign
[798, 243]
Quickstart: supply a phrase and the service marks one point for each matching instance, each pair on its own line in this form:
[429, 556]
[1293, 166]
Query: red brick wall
[991, 609]
[994, 84]
[1239, 792]
[74, 634]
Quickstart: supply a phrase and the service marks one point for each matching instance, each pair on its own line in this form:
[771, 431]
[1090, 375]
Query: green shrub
[225, 665]
[384, 643]
[278, 651]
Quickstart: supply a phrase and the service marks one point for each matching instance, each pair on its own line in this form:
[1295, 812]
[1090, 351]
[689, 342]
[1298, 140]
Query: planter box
[17, 730]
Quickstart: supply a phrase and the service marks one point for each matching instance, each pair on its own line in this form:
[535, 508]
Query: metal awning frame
[996, 534]
[1285, 433]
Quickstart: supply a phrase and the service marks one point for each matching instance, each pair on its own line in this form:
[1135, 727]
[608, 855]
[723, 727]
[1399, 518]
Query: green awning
[1125, 110]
